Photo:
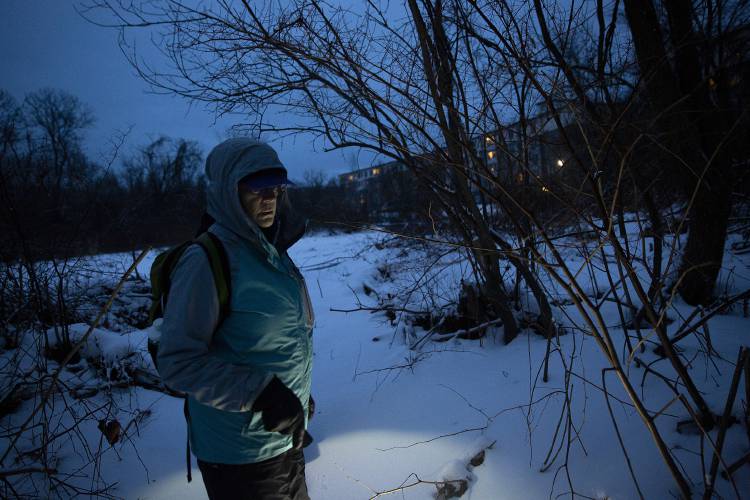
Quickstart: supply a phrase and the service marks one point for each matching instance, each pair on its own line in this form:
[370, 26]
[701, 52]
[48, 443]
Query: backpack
[161, 281]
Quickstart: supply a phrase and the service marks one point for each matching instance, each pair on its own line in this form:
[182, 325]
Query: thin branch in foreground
[724, 424]
[475, 429]
[71, 354]
[416, 482]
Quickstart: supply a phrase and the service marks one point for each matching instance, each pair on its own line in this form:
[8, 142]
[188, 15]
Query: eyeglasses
[267, 192]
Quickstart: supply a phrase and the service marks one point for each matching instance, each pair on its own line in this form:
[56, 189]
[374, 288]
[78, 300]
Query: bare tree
[58, 118]
[164, 166]
[433, 86]
[688, 53]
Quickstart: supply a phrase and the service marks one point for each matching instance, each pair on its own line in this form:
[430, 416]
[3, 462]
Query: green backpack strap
[219, 262]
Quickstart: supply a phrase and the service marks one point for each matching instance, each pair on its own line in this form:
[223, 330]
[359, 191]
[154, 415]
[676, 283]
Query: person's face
[260, 205]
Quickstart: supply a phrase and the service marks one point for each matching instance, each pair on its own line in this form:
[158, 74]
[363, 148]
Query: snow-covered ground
[389, 417]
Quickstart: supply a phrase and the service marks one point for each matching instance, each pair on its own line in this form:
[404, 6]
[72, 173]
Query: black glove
[281, 410]
[310, 408]
[308, 439]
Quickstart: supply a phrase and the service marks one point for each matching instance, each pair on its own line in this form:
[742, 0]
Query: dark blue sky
[45, 43]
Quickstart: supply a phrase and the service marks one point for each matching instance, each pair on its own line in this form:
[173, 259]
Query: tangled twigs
[417, 481]
[446, 488]
[71, 354]
[746, 458]
[724, 425]
[469, 331]
[26, 470]
[633, 475]
[687, 329]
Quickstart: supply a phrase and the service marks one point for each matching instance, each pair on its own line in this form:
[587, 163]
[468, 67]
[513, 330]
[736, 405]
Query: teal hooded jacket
[268, 331]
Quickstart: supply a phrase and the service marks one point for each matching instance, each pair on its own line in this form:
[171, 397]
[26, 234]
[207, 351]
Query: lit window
[544, 188]
[560, 163]
[351, 177]
[519, 177]
[491, 155]
[375, 171]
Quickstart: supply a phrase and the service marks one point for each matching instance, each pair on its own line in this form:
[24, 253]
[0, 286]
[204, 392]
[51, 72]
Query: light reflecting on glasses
[268, 192]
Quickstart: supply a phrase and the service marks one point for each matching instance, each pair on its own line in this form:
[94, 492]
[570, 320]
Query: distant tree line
[393, 198]
[56, 202]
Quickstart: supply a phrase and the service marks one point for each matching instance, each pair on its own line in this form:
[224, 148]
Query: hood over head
[229, 162]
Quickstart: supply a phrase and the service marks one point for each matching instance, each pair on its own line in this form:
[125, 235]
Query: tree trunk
[693, 129]
[546, 322]
[704, 251]
[439, 68]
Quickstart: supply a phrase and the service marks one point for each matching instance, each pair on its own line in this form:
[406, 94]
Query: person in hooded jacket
[247, 379]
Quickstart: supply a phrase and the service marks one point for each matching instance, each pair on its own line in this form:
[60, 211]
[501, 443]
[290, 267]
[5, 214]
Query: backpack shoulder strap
[219, 262]
[161, 280]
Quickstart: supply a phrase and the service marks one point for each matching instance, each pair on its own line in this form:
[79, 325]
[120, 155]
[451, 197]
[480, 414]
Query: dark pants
[279, 478]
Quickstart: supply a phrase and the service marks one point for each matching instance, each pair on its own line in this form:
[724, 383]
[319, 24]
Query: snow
[386, 414]
[109, 346]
